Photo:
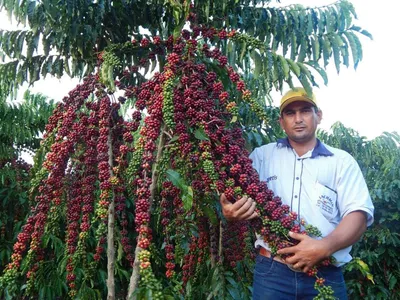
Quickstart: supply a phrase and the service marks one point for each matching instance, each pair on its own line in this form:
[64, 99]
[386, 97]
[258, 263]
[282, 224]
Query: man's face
[300, 120]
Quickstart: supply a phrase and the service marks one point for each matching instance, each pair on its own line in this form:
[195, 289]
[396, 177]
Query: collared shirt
[322, 186]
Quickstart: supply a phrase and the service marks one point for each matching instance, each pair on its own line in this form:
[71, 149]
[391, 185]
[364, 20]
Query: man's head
[297, 94]
[300, 115]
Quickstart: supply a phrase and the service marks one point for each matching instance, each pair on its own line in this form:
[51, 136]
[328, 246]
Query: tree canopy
[21, 124]
[277, 43]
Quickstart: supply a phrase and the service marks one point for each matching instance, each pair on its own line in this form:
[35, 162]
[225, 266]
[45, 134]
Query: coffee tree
[373, 274]
[127, 179]
[20, 125]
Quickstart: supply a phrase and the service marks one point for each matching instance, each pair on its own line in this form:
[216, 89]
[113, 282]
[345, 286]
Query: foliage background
[73, 42]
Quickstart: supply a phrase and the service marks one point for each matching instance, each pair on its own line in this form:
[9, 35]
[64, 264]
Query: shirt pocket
[326, 200]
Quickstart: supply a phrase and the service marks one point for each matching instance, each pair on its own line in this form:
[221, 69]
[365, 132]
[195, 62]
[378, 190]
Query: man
[324, 185]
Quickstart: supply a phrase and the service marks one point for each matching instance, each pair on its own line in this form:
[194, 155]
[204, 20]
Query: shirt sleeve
[352, 190]
[257, 158]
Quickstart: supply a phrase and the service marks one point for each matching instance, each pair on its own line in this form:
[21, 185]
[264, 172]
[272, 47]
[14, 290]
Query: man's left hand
[307, 253]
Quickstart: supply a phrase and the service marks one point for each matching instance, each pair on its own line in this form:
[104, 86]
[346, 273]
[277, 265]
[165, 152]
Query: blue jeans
[274, 280]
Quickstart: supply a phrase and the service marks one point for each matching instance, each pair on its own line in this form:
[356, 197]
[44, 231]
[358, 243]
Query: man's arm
[310, 252]
[243, 209]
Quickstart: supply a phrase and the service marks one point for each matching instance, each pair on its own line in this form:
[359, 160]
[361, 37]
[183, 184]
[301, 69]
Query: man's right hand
[242, 209]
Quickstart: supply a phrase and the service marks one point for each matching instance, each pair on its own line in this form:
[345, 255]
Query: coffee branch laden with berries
[180, 148]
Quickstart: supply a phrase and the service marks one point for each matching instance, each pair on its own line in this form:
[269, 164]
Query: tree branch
[221, 231]
[134, 281]
[110, 232]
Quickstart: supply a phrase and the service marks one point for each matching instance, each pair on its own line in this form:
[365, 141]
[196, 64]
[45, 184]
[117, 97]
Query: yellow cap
[297, 94]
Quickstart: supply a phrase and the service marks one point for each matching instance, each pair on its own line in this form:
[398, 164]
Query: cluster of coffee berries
[190, 126]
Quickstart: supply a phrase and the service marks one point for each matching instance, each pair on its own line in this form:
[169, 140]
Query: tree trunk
[221, 232]
[110, 233]
[133, 284]
[135, 275]
[213, 244]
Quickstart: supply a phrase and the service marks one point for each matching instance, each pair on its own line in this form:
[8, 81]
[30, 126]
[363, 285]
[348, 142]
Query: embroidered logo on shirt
[326, 203]
[272, 178]
[326, 198]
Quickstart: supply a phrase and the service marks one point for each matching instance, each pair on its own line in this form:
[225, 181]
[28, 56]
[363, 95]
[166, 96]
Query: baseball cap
[297, 94]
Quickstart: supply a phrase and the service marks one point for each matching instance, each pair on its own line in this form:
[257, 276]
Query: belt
[266, 253]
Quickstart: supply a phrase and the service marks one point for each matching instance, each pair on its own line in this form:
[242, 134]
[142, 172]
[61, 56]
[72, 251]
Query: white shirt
[322, 186]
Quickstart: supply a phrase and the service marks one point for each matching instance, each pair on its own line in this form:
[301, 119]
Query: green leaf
[174, 139]
[321, 21]
[315, 48]
[303, 49]
[392, 282]
[303, 78]
[20, 42]
[210, 213]
[294, 67]
[187, 198]
[120, 251]
[336, 52]
[258, 138]
[355, 50]
[243, 52]
[153, 65]
[149, 294]
[231, 52]
[293, 46]
[326, 49]
[364, 267]
[320, 71]
[231, 280]
[188, 288]
[233, 292]
[201, 135]
[257, 63]
[370, 277]
[285, 66]
[269, 65]
[366, 33]
[344, 51]
[176, 179]
[30, 9]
